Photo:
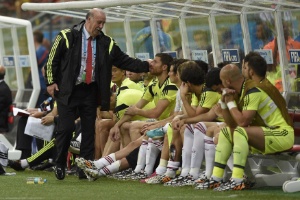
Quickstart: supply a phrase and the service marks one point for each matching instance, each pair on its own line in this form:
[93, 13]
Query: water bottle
[36, 180]
[45, 104]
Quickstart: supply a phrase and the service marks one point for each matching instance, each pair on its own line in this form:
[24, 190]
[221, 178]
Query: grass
[15, 187]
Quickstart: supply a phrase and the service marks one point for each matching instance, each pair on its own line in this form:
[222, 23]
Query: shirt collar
[87, 35]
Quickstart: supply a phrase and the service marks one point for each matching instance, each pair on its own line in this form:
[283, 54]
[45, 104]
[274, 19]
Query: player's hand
[177, 125]
[131, 110]
[47, 120]
[114, 133]
[184, 90]
[218, 110]
[37, 114]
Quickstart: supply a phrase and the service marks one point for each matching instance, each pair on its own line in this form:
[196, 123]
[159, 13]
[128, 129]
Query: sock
[162, 167]
[210, 149]
[141, 162]
[110, 169]
[187, 150]
[240, 153]
[24, 163]
[223, 151]
[197, 149]
[151, 155]
[107, 160]
[172, 167]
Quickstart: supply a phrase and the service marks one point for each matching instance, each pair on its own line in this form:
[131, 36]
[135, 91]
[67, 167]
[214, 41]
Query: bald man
[257, 119]
[78, 76]
[5, 101]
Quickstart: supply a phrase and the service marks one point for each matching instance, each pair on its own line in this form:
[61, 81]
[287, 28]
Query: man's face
[156, 66]
[134, 76]
[217, 88]
[172, 75]
[117, 74]
[259, 31]
[224, 79]
[201, 41]
[246, 70]
[94, 24]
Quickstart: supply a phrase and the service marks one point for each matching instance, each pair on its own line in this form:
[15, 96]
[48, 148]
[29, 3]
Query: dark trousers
[24, 141]
[83, 102]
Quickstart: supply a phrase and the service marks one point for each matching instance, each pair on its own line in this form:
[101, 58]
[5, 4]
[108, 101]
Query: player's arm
[241, 118]
[204, 117]
[127, 116]
[154, 113]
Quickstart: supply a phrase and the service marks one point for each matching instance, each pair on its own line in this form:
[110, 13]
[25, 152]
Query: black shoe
[43, 166]
[2, 171]
[60, 172]
[16, 165]
[81, 174]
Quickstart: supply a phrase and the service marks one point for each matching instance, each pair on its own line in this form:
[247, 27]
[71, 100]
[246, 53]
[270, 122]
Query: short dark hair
[192, 73]
[213, 77]
[166, 59]
[222, 64]
[257, 63]
[38, 36]
[203, 65]
[176, 63]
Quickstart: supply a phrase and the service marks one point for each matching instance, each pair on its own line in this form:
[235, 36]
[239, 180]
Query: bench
[275, 169]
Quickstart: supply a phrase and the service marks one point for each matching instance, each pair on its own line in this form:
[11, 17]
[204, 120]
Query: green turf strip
[15, 187]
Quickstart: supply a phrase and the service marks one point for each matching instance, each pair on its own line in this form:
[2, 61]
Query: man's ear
[165, 67]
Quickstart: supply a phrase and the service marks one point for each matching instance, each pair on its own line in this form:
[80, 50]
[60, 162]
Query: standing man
[42, 57]
[78, 75]
[5, 101]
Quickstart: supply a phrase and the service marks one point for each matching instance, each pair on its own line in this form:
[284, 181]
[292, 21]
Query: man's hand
[227, 95]
[184, 90]
[114, 133]
[176, 125]
[131, 110]
[47, 120]
[218, 110]
[51, 89]
[175, 121]
[37, 114]
[147, 127]
[32, 110]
